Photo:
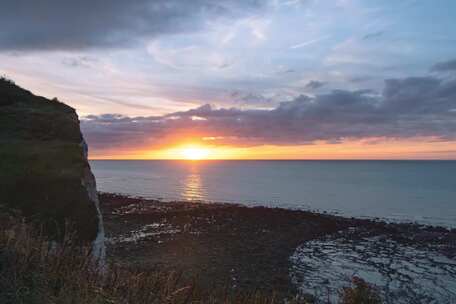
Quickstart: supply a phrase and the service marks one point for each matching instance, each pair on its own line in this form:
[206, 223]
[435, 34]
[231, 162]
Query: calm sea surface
[422, 191]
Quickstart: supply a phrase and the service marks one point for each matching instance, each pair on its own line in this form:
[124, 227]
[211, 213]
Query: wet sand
[247, 248]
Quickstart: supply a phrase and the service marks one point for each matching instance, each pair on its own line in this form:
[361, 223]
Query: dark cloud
[358, 79]
[445, 66]
[314, 84]
[406, 108]
[249, 98]
[79, 61]
[60, 24]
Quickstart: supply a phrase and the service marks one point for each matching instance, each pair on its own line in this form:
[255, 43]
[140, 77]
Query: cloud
[249, 98]
[373, 35]
[289, 71]
[406, 108]
[74, 25]
[314, 84]
[445, 66]
[363, 78]
[79, 61]
[309, 42]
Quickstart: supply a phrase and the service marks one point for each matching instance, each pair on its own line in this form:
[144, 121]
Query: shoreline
[334, 213]
[251, 246]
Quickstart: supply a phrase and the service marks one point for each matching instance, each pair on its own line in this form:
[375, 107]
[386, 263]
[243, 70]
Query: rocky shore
[287, 251]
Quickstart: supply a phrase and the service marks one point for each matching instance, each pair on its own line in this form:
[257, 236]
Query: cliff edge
[44, 171]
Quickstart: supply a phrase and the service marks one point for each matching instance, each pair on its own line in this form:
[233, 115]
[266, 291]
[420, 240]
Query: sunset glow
[365, 149]
[185, 82]
[195, 153]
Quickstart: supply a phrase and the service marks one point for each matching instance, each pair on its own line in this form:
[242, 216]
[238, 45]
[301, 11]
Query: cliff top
[29, 117]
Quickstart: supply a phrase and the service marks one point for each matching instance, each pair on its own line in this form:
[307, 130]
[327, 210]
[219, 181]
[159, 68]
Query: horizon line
[277, 159]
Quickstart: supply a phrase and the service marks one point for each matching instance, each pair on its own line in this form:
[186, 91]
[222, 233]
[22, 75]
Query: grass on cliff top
[24, 115]
[36, 271]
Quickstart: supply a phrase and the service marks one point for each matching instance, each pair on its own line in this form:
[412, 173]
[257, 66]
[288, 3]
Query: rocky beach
[286, 251]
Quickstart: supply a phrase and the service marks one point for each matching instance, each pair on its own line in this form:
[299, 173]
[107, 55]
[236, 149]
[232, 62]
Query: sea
[398, 191]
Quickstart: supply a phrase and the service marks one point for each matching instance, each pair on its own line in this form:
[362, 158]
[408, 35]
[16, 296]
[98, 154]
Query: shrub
[360, 293]
[6, 79]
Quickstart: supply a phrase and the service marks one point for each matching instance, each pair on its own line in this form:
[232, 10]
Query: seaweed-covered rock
[44, 170]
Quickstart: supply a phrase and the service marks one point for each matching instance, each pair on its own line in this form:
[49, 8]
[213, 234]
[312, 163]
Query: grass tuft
[360, 293]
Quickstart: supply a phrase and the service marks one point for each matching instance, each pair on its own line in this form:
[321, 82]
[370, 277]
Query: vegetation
[29, 117]
[6, 79]
[360, 292]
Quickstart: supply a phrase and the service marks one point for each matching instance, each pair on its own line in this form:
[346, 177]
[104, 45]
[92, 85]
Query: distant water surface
[421, 191]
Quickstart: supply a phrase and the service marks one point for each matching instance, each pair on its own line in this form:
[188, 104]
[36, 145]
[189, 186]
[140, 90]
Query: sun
[195, 153]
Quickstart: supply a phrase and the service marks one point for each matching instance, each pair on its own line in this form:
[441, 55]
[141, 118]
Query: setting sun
[194, 153]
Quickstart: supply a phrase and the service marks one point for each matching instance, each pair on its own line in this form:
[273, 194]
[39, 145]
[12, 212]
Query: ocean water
[410, 191]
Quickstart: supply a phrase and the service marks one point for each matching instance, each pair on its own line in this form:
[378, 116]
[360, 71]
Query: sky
[272, 79]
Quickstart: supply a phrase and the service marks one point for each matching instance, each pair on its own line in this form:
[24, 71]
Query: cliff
[44, 171]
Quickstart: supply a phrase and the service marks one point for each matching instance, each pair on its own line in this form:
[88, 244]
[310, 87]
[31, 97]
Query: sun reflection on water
[193, 187]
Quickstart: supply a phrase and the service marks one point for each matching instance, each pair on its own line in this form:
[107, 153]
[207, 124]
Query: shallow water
[421, 191]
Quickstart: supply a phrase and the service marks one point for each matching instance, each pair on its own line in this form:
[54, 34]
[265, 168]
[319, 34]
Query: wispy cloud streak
[310, 42]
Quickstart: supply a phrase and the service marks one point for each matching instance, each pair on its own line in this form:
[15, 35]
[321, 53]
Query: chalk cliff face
[44, 170]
